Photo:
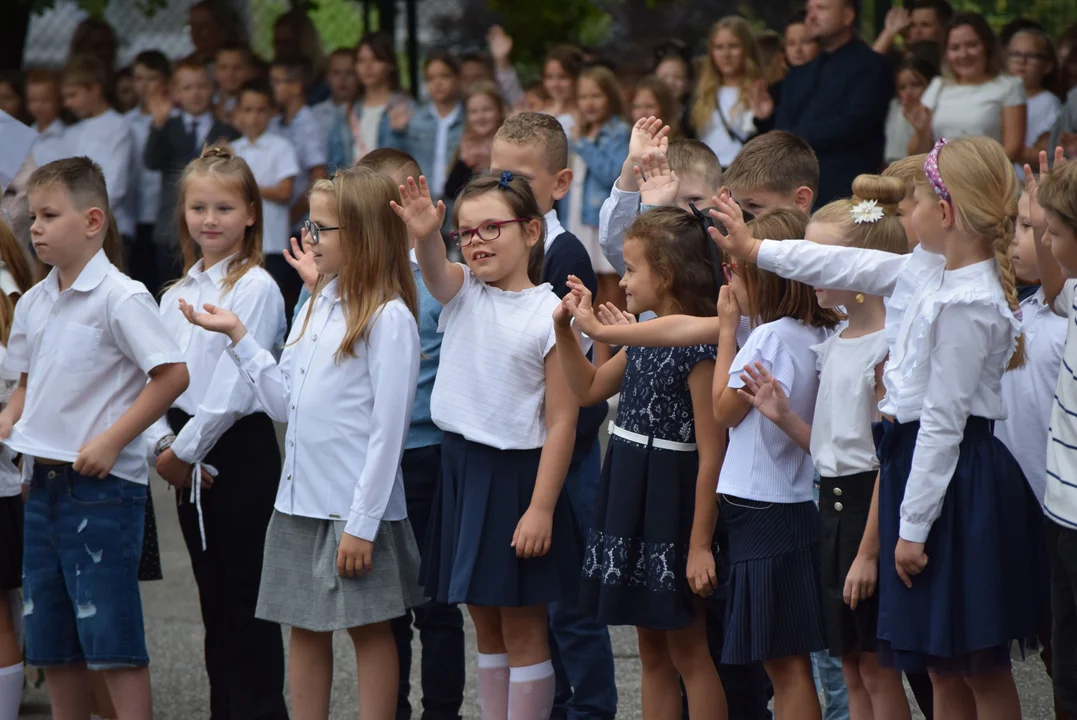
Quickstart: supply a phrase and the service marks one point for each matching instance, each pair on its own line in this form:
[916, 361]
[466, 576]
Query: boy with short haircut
[233, 67]
[343, 92]
[275, 166]
[534, 146]
[77, 417]
[776, 169]
[102, 135]
[174, 140]
[44, 102]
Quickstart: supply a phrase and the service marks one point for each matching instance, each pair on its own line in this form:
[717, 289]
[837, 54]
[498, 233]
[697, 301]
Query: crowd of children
[843, 428]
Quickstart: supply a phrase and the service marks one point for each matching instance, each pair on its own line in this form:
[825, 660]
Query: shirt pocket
[77, 347]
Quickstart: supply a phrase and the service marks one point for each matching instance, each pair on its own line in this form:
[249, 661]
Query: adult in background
[925, 21]
[214, 26]
[837, 102]
[294, 35]
[972, 96]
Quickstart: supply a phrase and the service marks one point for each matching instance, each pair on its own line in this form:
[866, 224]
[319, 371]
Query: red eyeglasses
[487, 231]
[729, 269]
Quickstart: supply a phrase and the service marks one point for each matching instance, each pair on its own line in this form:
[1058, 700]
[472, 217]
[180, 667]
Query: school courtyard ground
[181, 690]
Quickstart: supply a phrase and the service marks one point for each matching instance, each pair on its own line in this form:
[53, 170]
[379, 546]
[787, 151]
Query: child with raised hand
[216, 441]
[339, 551]
[658, 480]
[502, 539]
[960, 577]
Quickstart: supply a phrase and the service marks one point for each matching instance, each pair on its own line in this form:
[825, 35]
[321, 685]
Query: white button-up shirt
[440, 171]
[305, 134]
[107, 140]
[51, 143]
[347, 419]
[272, 160]
[88, 351]
[618, 211]
[217, 395]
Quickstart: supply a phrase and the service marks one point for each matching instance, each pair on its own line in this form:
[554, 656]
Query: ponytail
[1001, 245]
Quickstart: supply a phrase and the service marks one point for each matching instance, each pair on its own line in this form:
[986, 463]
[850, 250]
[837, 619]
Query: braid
[1008, 276]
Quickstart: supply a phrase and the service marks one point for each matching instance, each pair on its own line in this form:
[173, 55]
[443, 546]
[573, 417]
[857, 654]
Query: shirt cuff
[618, 194]
[913, 532]
[643, 207]
[185, 446]
[768, 257]
[363, 527]
[243, 351]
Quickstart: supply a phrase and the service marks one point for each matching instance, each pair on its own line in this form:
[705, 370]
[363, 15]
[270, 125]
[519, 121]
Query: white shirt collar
[450, 118]
[554, 229]
[188, 118]
[216, 273]
[56, 127]
[90, 277]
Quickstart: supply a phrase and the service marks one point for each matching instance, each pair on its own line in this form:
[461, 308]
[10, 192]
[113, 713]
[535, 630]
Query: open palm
[764, 392]
[658, 185]
[417, 209]
[214, 319]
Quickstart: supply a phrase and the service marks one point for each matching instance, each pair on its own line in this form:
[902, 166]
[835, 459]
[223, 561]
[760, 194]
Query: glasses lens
[455, 237]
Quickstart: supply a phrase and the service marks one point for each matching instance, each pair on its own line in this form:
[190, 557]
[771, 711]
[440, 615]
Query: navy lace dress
[634, 570]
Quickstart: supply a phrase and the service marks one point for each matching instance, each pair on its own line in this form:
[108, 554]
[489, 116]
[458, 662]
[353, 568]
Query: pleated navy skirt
[985, 586]
[636, 561]
[774, 607]
[469, 558]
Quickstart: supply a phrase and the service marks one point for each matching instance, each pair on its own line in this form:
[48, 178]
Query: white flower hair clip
[867, 211]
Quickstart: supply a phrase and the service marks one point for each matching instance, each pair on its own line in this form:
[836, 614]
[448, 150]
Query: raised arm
[1052, 279]
[589, 385]
[729, 408]
[442, 278]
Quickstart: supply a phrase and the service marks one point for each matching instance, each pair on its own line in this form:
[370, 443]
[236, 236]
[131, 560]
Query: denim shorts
[83, 541]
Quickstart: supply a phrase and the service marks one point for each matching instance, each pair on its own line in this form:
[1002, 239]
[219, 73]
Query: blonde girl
[721, 112]
[339, 551]
[961, 572]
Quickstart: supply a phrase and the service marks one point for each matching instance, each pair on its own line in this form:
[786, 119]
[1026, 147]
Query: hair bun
[218, 150]
[887, 191]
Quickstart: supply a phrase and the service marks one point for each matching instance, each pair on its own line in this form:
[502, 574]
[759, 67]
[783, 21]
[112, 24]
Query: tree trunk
[13, 34]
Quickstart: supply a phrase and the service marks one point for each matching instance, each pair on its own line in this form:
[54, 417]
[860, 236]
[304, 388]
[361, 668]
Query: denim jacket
[419, 136]
[341, 152]
[604, 157]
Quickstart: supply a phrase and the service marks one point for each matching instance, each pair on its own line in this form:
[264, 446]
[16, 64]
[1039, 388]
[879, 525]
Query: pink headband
[931, 169]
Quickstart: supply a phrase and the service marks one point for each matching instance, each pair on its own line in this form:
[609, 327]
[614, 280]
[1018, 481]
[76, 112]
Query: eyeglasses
[314, 232]
[729, 269]
[488, 231]
[1026, 56]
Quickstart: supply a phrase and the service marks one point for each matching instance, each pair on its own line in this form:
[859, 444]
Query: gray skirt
[301, 587]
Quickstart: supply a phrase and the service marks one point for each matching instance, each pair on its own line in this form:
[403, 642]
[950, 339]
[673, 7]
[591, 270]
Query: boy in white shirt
[84, 341]
[275, 165]
[44, 102]
[103, 136]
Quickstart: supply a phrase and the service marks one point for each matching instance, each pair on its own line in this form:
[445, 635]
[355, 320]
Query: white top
[1043, 112]
[956, 337]
[88, 351]
[491, 382]
[442, 151]
[107, 140]
[217, 396]
[841, 439]
[554, 229]
[961, 110]
[899, 132]
[1029, 391]
[149, 181]
[347, 419]
[369, 125]
[312, 147]
[272, 159]
[762, 463]
[740, 119]
[618, 212]
[1060, 498]
[51, 143]
[10, 477]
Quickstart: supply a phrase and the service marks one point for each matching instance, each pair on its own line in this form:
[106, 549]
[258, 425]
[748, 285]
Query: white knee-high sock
[531, 691]
[494, 686]
[10, 691]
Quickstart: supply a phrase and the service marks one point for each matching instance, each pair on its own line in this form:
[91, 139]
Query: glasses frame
[458, 238]
[730, 270]
[314, 231]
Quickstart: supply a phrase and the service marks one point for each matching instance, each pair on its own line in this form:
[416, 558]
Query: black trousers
[244, 656]
[440, 626]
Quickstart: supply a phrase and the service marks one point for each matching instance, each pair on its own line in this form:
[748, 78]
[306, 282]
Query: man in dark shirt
[838, 102]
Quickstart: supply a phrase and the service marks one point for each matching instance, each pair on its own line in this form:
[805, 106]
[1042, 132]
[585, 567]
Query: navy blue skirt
[985, 586]
[635, 565]
[469, 556]
[774, 607]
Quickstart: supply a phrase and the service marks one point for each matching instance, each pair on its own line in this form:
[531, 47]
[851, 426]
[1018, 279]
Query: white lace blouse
[955, 335]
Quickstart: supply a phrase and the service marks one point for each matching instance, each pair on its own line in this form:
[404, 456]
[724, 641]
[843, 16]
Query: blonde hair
[375, 267]
[710, 78]
[908, 170]
[1058, 194]
[983, 192]
[886, 233]
[222, 164]
[609, 85]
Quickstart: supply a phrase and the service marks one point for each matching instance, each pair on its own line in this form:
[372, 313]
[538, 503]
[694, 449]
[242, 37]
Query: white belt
[649, 441]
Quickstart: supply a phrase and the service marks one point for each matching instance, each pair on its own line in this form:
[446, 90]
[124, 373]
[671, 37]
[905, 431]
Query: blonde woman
[721, 109]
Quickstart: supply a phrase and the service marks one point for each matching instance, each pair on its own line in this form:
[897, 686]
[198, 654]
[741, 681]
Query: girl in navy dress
[649, 560]
[961, 566]
[502, 537]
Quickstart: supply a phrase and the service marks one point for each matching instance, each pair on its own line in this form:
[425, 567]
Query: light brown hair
[375, 267]
[776, 161]
[694, 156]
[667, 104]
[81, 177]
[532, 128]
[1058, 194]
[908, 170]
[388, 160]
[705, 100]
[987, 36]
[222, 164]
[15, 260]
[772, 297]
[85, 71]
[681, 254]
[886, 233]
[607, 82]
[522, 204]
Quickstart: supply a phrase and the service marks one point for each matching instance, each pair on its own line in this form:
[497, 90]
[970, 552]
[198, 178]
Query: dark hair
[345, 52]
[297, 67]
[86, 70]
[569, 57]
[381, 44]
[477, 56]
[667, 104]
[155, 61]
[1015, 26]
[388, 160]
[15, 79]
[919, 66]
[238, 47]
[81, 177]
[258, 85]
[444, 57]
[987, 36]
[522, 204]
[928, 51]
[679, 251]
[944, 11]
[800, 17]
[94, 36]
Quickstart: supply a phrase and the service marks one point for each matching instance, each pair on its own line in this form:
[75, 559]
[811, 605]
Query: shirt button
[302, 371]
[838, 506]
[289, 477]
[837, 491]
[315, 338]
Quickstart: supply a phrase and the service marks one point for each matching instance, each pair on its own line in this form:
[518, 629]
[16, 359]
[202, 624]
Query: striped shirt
[1060, 499]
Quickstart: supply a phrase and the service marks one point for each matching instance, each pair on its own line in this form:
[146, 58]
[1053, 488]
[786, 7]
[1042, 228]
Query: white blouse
[962, 110]
[10, 477]
[347, 419]
[841, 439]
[956, 337]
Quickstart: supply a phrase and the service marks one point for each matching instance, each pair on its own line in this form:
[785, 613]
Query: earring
[859, 298]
